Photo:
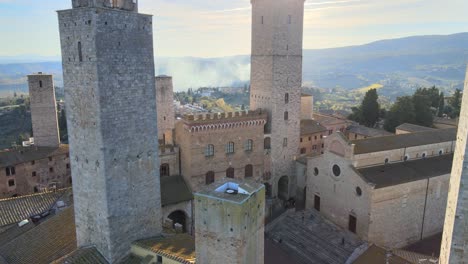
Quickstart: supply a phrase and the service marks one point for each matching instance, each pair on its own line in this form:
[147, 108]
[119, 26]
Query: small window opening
[286, 115]
[289, 19]
[40, 84]
[286, 98]
[80, 53]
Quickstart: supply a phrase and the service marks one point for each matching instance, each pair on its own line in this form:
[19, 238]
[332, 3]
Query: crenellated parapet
[230, 120]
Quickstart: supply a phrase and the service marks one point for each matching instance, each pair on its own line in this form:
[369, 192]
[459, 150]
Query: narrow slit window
[80, 53]
[40, 84]
[262, 20]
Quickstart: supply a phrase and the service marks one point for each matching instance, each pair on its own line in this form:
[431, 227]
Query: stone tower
[229, 223]
[276, 79]
[455, 238]
[165, 102]
[108, 70]
[43, 110]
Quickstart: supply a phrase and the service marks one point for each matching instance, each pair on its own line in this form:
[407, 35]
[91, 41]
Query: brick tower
[276, 79]
[108, 70]
[43, 110]
[455, 238]
[166, 115]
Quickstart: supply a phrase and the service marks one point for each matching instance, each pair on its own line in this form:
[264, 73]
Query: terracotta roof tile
[180, 247]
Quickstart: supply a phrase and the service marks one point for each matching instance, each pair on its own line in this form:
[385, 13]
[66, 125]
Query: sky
[218, 28]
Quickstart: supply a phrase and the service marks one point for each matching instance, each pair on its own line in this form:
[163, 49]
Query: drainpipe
[424, 210]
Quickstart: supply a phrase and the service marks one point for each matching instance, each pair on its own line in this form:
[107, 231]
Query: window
[209, 177]
[80, 53]
[50, 158]
[262, 20]
[249, 145]
[11, 183]
[301, 140]
[267, 143]
[230, 173]
[51, 169]
[248, 171]
[314, 147]
[323, 145]
[355, 136]
[33, 162]
[285, 142]
[316, 171]
[406, 157]
[303, 150]
[330, 131]
[286, 115]
[424, 155]
[321, 136]
[68, 165]
[358, 191]
[209, 151]
[286, 98]
[315, 138]
[230, 148]
[34, 174]
[160, 259]
[40, 84]
[310, 138]
[336, 170]
[10, 171]
[164, 170]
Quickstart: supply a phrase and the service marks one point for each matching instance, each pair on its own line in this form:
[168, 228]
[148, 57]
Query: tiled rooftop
[180, 247]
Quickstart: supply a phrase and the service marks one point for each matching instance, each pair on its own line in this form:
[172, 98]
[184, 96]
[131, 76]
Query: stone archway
[283, 188]
[179, 217]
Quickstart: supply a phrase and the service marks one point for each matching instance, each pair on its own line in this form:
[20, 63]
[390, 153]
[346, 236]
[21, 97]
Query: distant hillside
[400, 65]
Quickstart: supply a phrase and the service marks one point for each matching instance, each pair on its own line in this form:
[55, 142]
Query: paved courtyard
[308, 238]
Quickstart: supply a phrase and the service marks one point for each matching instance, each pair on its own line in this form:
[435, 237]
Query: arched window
[249, 145]
[164, 170]
[267, 143]
[286, 115]
[209, 151]
[286, 98]
[209, 177]
[248, 171]
[230, 148]
[230, 173]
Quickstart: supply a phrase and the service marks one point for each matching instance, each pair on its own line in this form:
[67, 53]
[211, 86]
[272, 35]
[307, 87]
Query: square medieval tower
[108, 70]
[276, 80]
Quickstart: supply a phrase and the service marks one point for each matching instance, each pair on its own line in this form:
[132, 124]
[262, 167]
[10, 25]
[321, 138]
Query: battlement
[127, 5]
[231, 120]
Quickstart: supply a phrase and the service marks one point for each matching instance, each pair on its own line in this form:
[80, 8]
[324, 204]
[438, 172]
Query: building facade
[276, 80]
[217, 146]
[108, 70]
[391, 191]
[312, 138]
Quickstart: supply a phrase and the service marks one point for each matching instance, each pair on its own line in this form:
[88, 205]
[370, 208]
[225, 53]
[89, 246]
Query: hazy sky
[214, 28]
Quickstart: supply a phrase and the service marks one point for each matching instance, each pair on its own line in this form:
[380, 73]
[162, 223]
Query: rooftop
[311, 127]
[202, 119]
[174, 190]
[367, 131]
[180, 247]
[403, 172]
[328, 119]
[21, 155]
[376, 144]
[413, 128]
[231, 190]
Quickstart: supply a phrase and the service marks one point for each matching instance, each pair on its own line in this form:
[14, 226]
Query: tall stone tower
[108, 70]
[276, 79]
[455, 237]
[165, 102]
[43, 110]
[229, 223]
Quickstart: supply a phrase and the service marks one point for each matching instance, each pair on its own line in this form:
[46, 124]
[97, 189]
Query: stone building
[165, 103]
[108, 69]
[356, 131]
[411, 128]
[455, 237]
[229, 223]
[391, 190]
[312, 138]
[276, 80]
[216, 146]
[307, 106]
[43, 110]
[332, 123]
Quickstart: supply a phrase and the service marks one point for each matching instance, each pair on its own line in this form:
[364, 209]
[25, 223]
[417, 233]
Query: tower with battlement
[455, 237]
[165, 102]
[43, 110]
[108, 70]
[276, 79]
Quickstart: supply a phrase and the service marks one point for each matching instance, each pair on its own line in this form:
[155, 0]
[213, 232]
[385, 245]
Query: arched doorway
[178, 217]
[283, 188]
[230, 173]
[209, 177]
[248, 171]
[164, 170]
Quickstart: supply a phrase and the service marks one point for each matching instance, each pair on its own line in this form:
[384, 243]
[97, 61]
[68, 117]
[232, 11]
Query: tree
[440, 109]
[368, 112]
[422, 110]
[455, 102]
[402, 111]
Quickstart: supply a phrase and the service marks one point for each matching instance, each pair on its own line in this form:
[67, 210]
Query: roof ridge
[34, 194]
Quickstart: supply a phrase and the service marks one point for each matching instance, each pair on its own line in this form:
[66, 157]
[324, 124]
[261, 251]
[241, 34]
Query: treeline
[419, 108]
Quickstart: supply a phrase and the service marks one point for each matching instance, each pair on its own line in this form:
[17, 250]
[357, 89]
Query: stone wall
[307, 107]
[43, 110]
[108, 68]
[312, 144]
[194, 134]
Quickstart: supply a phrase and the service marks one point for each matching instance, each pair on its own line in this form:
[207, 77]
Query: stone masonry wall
[43, 110]
[165, 102]
[108, 68]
